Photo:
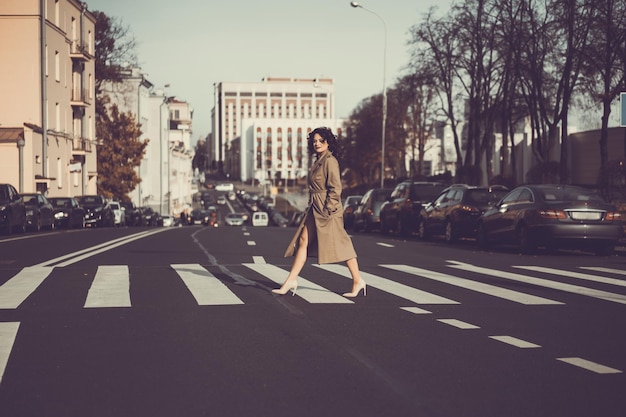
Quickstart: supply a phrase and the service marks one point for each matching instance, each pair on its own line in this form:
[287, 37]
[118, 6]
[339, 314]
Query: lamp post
[382, 155]
[20, 146]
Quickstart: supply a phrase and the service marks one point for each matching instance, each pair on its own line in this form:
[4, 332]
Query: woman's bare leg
[357, 281]
[308, 234]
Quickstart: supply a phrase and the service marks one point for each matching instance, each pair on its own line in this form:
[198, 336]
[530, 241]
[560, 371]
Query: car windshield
[485, 196]
[115, 206]
[569, 194]
[90, 200]
[61, 202]
[4, 193]
[30, 199]
[425, 192]
[235, 216]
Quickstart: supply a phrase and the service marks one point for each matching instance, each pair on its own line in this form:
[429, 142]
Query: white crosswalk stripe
[392, 287]
[578, 275]
[308, 290]
[17, 289]
[110, 287]
[205, 287]
[575, 289]
[493, 290]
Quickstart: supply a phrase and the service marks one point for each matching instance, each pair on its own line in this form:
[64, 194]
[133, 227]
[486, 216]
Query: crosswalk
[110, 286]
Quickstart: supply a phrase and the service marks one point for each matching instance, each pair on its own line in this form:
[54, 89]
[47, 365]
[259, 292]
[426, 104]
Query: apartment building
[260, 128]
[47, 114]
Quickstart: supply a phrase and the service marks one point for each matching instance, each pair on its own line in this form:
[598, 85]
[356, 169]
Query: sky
[193, 44]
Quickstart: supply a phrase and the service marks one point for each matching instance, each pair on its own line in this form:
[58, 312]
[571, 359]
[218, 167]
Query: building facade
[260, 128]
[47, 115]
[166, 123]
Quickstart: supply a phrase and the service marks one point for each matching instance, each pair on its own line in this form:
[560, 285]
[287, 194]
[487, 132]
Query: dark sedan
[97, 211]
[39, 212]
[68, 213]
[553, 217]
[455, 212]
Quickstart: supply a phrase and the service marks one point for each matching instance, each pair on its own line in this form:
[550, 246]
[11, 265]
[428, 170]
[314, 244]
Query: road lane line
[469, 284]
[458, 324]
[309, 291]
[385, 245]
[514, 341]
[110, 287]
[571, 274]
[94, 250]
[258, 260]
[575, 289]
[590, 366]
[17, 289]
[204, 286]
[251, 243]
[392, 287]
[8, 334]
[603, 269]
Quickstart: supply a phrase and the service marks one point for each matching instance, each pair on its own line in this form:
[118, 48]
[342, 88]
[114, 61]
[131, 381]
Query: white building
[260, 128]
[166, 122]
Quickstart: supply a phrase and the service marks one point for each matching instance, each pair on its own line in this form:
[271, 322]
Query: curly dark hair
[327, 134]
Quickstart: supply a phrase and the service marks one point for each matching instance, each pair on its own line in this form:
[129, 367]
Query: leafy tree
[201, 157]
[119, 152]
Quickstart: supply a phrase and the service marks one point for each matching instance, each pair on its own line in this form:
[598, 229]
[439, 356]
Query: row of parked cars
[35, 211]
[529, 216]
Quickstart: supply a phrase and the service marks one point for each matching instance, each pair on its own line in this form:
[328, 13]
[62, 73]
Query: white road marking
[392, 287]
[575, 289]
[571, 274]
[204, 286]
[258, 260]
[590, 366]
[8, 333]
[469, 284]
[17, 289]
[385, 245]
[514, 341]
[110, 287]
[459, 324]
[251, 243]
[603, 269]
[415, 310]
[308, 290]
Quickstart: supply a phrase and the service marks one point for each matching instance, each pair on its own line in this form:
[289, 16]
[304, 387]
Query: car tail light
[470, 209]
[349, 210]
[613, 216]
[552, 214]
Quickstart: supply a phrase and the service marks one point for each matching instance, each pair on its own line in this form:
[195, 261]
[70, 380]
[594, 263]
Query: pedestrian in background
[321, 232]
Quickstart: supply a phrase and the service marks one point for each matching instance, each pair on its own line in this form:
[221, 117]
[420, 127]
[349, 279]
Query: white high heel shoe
[361, 286]
[286, 288]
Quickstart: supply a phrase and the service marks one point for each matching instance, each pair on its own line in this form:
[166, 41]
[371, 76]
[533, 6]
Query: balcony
[79, 50]
[80, 145]
[80, 97]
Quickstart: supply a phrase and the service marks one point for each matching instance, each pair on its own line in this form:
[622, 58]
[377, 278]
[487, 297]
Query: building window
[57, 117]
[57, 66]
[59, 173]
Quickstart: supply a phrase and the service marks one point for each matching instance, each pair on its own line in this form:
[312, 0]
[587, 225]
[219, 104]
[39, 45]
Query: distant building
[47, 111]
[260, 128]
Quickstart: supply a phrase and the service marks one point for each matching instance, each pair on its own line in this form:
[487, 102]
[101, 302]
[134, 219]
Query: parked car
[260, 218]
[68, 213]
[236, 219]
[553, 217]
[118, 211]
[39, 212]
[400, 213]
[367, 214]
[97, 211]
[455, 212]
[12, 210]
[148, 217]
[221, 200]
[350, 205]
[225, 186]
[168, 221]
[132, 216]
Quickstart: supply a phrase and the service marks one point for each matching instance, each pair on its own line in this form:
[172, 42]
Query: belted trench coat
[333, 243]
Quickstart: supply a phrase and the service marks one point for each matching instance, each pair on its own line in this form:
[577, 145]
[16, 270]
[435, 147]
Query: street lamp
[382, 155]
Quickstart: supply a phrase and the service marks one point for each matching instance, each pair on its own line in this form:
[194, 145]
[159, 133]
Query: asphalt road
[181, 322]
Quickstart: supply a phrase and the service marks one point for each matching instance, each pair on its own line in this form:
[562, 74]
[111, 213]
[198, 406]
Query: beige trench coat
[333, 243]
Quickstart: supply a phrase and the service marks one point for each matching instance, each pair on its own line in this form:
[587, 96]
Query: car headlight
[30, 212]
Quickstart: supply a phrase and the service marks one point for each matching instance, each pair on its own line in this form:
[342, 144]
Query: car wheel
[37, 226]
[481, 237]
[451, 234]
[402, 227]
[525, 241]
[384, 229]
